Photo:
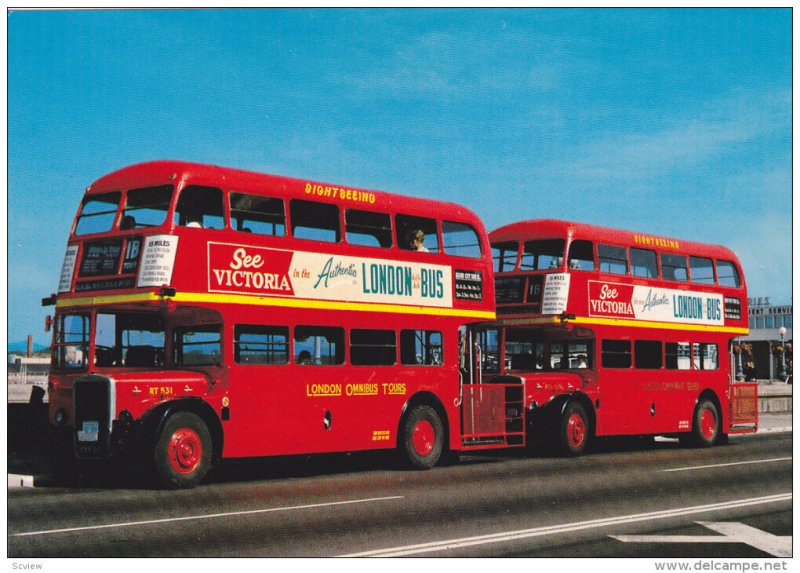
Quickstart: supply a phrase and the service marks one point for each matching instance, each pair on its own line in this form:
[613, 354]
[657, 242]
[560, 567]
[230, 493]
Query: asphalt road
[599, 505]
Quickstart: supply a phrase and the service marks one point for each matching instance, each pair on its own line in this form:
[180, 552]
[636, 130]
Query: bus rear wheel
[182, 453]
[574, 430]
[422, 440]
[705, 425]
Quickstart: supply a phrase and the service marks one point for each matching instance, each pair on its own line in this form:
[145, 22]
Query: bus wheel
[574, 430]
[706, 425]
[183, 451]
[423, 438]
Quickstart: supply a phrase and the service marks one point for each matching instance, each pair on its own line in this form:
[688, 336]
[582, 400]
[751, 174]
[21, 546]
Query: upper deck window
[644, 263]
[581, 256]
[702, 270]
[97, 213]
[409, 228]
[315, 221]
[612, 259]
[368, 229]
[727, 275]
[540, 255]
[673, 267]
[461, 240]
[200, 207]
[257, 214]
[146, 207]
[504, 256]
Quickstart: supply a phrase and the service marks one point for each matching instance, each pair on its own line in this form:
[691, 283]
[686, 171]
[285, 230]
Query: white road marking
[729, 464]
[732, 532]
[208, 516]
[458, 543]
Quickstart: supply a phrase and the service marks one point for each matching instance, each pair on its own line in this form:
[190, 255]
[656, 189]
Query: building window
[373, 347]
[260, 344]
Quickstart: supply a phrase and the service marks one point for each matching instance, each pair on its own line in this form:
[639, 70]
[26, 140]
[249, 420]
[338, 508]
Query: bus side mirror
[48, 323]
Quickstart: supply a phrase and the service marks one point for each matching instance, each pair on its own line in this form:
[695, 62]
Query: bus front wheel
[182, 452]
[423, 438]
[574, 430]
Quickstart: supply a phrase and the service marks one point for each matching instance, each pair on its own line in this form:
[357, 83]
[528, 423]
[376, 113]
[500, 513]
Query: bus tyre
[705, 425]
[182, 451]
[573, 435]
[423, 438]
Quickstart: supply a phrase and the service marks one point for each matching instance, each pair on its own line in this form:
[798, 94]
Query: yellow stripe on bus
[185, 297]
[588, 320]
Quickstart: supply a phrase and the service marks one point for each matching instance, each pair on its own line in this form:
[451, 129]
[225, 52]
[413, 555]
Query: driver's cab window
[200, 207]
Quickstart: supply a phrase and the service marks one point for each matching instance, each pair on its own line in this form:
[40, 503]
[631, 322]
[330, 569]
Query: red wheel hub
[423, 437]
[576, 430]
[708, 423]
[185, 450]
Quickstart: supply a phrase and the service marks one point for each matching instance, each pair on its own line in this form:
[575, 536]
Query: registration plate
[89, 431]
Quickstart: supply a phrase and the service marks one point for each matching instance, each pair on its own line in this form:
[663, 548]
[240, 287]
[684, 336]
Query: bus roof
[185, 173]
[551, 228]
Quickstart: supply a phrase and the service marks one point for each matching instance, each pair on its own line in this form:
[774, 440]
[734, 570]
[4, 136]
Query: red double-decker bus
[618, 333]
[207, 313]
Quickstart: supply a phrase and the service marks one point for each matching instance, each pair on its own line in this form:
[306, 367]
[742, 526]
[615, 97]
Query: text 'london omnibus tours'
[618, 333]
[206, 313]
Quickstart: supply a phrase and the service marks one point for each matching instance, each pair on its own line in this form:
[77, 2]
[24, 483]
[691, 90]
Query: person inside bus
[582, 362]
[415, 240]
[304, 357]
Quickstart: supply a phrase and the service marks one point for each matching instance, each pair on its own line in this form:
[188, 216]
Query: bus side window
[421, 347]
[673, 268]
[315, 221]
[460, 239]
[612, 259]
[200, 207]
[406, 227]
[259, 215]
[702, 270]
[727, 275]
[616, 354]
[260, 344]
[644, 263]
[368, 229]
[319, 345]
[581, 256]
[678, 356]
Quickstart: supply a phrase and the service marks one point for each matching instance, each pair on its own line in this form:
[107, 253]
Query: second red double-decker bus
[207, 313]
[618, 333]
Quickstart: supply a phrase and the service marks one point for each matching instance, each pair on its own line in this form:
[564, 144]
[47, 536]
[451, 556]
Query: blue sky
[674, 122]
